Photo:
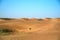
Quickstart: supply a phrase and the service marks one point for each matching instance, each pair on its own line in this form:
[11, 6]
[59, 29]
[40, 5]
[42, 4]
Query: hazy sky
[29, 8]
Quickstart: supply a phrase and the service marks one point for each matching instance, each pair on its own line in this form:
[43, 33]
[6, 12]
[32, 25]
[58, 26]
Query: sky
[29, 8]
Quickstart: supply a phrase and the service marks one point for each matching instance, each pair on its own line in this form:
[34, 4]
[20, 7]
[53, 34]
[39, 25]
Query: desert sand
[30, 29]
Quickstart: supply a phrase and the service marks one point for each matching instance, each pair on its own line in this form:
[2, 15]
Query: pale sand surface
[41, 29]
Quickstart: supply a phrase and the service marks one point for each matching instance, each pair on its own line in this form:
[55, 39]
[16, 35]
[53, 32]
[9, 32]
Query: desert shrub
[5, 31]
[30, 28]
[40, 19]
[6, 18]
[48, 18]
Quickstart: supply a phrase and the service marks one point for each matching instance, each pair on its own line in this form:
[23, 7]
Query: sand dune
[31, 29]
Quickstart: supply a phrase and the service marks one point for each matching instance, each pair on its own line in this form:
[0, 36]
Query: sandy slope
[32, 29]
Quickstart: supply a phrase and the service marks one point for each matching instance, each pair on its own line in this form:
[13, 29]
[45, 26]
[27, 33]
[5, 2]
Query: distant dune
[30, 29]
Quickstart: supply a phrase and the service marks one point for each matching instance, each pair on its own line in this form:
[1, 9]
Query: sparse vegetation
[6, 18]
[5, 31]
[40, 19]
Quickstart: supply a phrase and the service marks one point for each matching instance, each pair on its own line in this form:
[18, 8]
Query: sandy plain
[30, 29]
